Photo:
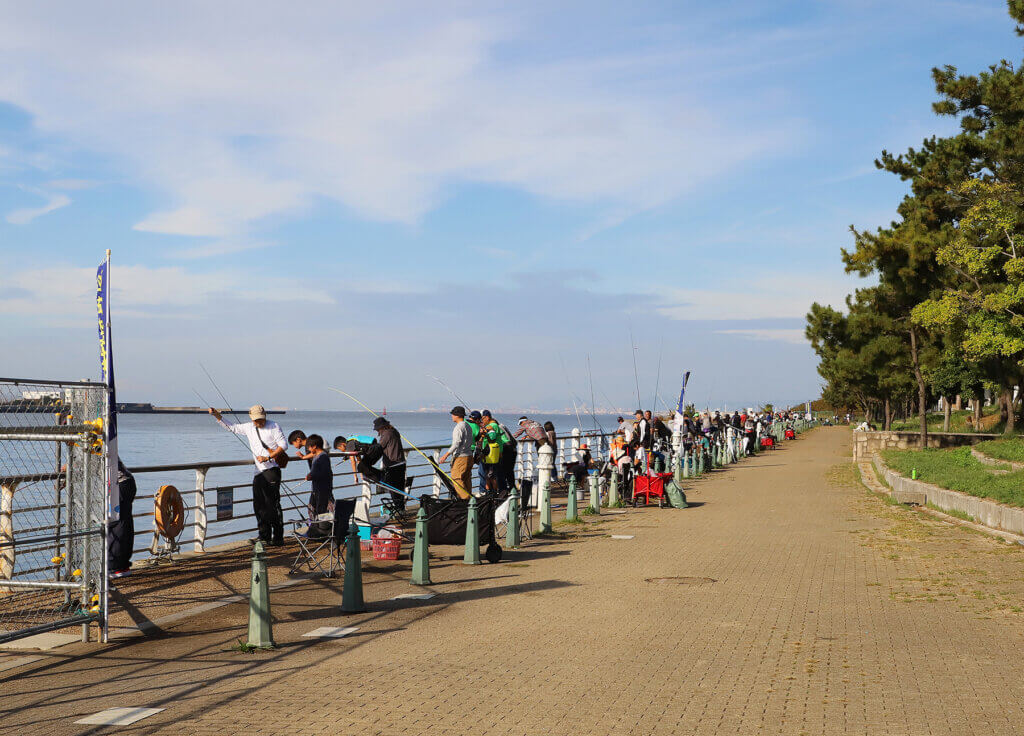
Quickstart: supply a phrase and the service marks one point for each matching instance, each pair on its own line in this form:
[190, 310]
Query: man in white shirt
[267, 444]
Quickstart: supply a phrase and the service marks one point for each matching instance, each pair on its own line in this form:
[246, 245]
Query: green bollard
[261, 632]
[471, 555]
[420, 551]
[595, 496]
[613, 491]
[545, 509]
[352, 592]
[512, 527]
[570, 503]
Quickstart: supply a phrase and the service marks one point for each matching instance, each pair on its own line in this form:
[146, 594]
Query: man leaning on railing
[267, 444]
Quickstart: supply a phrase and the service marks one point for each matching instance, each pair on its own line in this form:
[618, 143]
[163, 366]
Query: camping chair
[525, 512]
[319, 548]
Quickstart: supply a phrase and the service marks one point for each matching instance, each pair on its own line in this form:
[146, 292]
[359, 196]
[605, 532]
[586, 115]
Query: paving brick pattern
[830, 613]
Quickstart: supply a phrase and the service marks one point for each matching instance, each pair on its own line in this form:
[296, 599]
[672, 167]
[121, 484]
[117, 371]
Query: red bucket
[386, 548]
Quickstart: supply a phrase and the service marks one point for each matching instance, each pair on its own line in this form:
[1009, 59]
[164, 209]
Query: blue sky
[344, 195]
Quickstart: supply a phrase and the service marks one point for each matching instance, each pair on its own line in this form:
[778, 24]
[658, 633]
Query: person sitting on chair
[321, 480]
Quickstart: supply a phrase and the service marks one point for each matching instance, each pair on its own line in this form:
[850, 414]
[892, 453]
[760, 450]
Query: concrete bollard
[352, 592]
[512, 527]
[471, 555]
[261, 633]
[420, 551]
[595, 496]
[545, 509]
[570, 504]
[613, 491]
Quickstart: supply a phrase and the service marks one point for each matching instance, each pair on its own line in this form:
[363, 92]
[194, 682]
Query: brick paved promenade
[829, 612]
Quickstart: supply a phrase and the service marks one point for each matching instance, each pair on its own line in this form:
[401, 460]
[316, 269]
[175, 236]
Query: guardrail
[204, 500]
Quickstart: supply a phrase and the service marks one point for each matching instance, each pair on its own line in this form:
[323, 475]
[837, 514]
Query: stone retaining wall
[984, 511]
[866, 444]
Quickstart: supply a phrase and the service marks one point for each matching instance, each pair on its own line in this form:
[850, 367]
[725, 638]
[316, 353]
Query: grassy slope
[957, 422]
[957, 470]
[1012, 448]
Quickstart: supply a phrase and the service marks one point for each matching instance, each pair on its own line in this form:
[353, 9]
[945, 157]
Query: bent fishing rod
[405, 439]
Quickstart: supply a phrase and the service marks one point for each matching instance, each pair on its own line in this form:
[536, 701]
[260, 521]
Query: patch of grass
[243, 647]
[587, 511]
[951, 512]
[1011, 448]
[958, 470]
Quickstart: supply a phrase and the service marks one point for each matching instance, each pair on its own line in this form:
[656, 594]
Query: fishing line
[245, 444]
[579, 422]
[636, 374]
[465, 404]
[590, 374]
[404, 438]
[657, 381]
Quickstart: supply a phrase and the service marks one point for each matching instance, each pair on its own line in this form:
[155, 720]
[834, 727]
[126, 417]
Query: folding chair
[319, 548]
[525, 512]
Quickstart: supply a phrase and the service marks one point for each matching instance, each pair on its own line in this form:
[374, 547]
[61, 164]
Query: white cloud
[26, 215]
[791, 336]
[236, 112]
[65, 295]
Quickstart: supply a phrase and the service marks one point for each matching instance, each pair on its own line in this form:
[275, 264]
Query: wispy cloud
[66, 294]
[378, 109]
[793, 336]
[26, 215]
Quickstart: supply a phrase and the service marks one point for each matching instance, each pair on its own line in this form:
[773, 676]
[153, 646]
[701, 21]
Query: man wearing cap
[393, 458]
[461, 452]
[267, 443]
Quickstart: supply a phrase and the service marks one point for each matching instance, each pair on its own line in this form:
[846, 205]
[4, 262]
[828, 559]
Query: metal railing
[210, 508]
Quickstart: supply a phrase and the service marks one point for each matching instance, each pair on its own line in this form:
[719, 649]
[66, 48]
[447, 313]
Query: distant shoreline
[128, 408]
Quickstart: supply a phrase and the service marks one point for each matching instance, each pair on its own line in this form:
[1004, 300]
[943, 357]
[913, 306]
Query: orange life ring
[170, 512]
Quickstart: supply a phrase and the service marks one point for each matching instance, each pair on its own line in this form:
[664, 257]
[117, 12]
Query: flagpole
[105, 579]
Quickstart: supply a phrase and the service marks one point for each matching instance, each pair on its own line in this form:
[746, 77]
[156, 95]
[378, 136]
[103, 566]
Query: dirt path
[805, 606]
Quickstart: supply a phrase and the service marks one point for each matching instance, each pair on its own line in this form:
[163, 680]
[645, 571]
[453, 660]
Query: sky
[517, 198]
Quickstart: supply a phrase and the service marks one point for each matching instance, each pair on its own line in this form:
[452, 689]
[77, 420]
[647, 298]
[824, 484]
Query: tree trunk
[888, 415]
[922, 391]
[946, 410]
[1007, 402]
[976, 407]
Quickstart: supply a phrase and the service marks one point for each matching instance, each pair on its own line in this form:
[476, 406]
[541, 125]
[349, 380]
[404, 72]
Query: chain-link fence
[53, 506]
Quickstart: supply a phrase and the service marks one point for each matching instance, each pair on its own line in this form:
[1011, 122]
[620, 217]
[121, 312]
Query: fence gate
[53, 507]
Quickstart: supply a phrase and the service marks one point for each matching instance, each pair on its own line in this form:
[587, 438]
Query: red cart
[651, 486]
[768, 441]
[790, 434]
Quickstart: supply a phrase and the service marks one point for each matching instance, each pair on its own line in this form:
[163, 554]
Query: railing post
[545, 508]
[575, 444]
[7, 530]
[560, 459]
[199, 520]
[437, 478]
[545, 466]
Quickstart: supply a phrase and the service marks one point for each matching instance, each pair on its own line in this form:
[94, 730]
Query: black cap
[458, 411]
[475, 416]
[486, 412]
[380, 423]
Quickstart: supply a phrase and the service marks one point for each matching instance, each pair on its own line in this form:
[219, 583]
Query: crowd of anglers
[478, 441]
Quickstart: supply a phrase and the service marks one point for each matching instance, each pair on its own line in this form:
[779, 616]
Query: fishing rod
[244, 444]
[450, 390]
[657, 381]
[636, 374]
[579, 422]
[590, 374]
[426, 457]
